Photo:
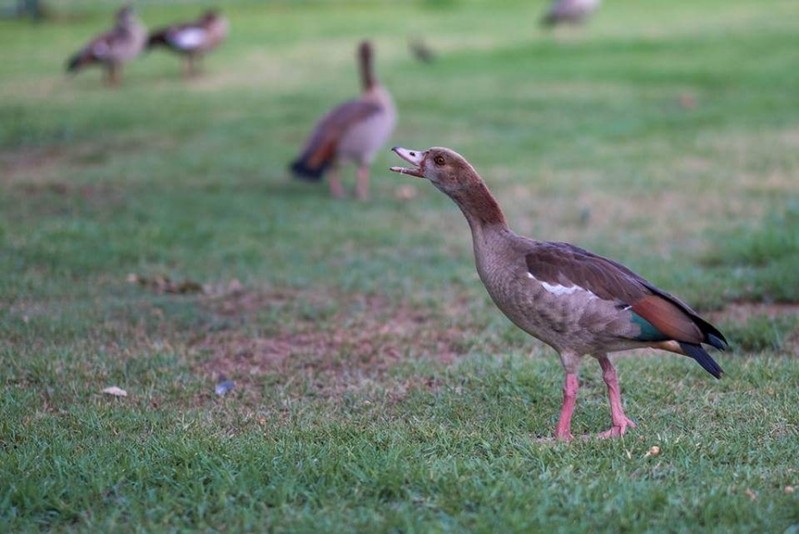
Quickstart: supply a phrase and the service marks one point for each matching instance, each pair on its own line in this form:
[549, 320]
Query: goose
[420, 50]
[575, 301]
[353, 131]
[569, 12]
[192, 40]
[113, 48]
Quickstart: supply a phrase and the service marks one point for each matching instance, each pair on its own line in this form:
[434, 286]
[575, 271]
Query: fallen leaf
[162, 284]
[687, 101]
[654, 450]
[234, 286]
[186, 286]
[751, 494]
[405, 192]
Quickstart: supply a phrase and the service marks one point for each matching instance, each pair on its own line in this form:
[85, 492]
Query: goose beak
[414, 157]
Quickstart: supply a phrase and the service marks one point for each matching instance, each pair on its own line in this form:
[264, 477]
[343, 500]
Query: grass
[764, 257]
[151, 239]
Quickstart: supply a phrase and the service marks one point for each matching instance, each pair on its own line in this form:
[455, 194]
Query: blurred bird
[192, 40]
[420, 50]
[569, 12]
[353, 131]
[113, 48]
[573, 300]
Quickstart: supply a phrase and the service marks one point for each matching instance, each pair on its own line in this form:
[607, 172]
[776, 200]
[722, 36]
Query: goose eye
[439, 160]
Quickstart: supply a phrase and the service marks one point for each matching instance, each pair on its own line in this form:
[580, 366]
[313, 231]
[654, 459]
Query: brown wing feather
[668, 318]
[565, 264]
[92, 52]
[324, 152]
[328, 132]
[104, 46]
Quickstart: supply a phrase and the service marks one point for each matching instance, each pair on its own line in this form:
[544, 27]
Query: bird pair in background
[353, 131]
[128, 38]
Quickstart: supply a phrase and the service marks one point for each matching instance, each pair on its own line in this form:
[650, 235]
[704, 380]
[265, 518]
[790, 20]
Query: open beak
[415, 157]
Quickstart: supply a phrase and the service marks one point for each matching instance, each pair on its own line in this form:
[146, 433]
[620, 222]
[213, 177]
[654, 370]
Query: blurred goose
[114, 48]
[192, 40]
[353, 131]
[576, 302]
[569, 12]
[420, 50]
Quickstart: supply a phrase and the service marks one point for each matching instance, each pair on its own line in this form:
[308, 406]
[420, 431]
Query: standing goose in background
[353, 131]
[420, 50]
[569, 12]
[192, 40]
[574, 301]
[114, 48]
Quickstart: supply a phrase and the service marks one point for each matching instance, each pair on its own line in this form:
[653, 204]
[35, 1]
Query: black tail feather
[702, 358]
[717, 341]
[75, 62]
[157, 39]
[301, 170]
[712, 335]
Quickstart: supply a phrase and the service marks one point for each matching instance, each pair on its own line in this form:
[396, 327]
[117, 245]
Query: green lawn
[151, 239]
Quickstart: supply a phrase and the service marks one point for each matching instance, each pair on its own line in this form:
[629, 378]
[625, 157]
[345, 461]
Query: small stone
[223, 387]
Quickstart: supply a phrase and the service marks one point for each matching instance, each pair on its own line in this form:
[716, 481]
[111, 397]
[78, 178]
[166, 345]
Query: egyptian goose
[421, 51]
[113, 48]
[353, 131]
[192, 40]
[573, 300]
[569, 12]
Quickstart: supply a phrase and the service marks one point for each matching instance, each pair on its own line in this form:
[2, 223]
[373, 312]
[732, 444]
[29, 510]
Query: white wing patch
[560, 290]
[189, 39]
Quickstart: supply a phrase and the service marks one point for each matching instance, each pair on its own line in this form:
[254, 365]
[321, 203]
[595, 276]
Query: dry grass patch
[41, 166]
[740, 312]
[357, 341]
[333, 341]
[758, 326]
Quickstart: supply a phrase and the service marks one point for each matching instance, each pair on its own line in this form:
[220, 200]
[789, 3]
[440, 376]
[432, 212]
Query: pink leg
[570, 387]
[620, 421]
[336, 190]
[362, 185]
[114, 75]
[192, 66]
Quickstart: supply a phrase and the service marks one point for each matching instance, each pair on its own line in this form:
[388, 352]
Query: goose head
[445, 168]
